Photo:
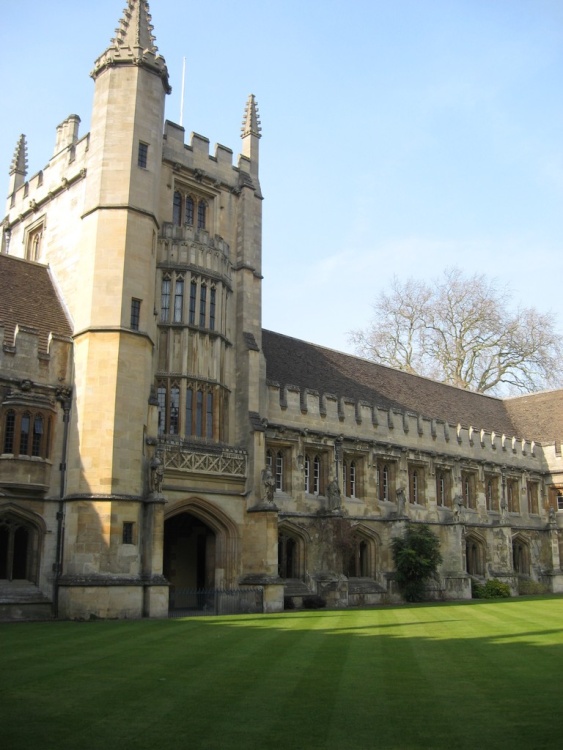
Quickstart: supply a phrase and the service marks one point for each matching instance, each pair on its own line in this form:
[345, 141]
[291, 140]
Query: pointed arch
[293, 542]
[21, 542]
[521, 555]
[475, 554]
[363, 559]
[227, 537]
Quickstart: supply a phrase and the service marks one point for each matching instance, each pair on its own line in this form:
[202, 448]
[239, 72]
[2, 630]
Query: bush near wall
[493, 589]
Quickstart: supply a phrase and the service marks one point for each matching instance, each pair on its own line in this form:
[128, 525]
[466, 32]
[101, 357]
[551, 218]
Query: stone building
[154, 439]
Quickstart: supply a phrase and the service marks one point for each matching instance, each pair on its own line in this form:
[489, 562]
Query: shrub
[493, 589]
[314, 602]
[288, 602]
[526, 587]
[417, 556]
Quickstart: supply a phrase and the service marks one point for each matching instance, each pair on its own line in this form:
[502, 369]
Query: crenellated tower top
[18, 168]
[134, 44]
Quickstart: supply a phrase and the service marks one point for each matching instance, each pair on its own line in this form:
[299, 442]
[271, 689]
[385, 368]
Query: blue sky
[398, 137]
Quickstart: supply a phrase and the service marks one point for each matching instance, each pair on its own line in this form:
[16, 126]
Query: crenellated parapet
[359, 420]
[65, 168]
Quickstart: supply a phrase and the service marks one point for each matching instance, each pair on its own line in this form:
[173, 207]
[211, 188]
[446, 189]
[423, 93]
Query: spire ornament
[19, 162]
[134, 44]
[251, 120]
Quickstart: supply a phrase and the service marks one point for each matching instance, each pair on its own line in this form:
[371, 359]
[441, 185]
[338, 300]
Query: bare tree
[461, 330]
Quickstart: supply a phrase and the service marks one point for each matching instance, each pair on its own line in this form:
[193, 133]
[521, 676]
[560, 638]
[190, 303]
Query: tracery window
[349, 478]
[468, 489]
[533, 494]
[189, 207]
[165, 298]
[491, 492]
[314, 474]
[416, 485]
[443, 491]
[26, 433]
[385, 473]
[178, 299]
[194, 411]
[512, 498]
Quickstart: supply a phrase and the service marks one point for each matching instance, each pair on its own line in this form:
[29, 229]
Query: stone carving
[458, 508]
[333, 495]
[156, 474]
[269, 483]
[401, 502]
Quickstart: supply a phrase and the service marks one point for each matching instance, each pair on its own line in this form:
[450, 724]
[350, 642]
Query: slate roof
[28, 298]
[290, 361]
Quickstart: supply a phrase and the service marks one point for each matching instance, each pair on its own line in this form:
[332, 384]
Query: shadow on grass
[489, 676]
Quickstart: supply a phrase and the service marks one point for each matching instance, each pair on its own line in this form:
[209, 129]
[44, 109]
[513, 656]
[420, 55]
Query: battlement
[67, 166]
[217, 167]
[304, 409]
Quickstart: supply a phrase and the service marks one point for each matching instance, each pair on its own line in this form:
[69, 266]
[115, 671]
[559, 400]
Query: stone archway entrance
[189, 553]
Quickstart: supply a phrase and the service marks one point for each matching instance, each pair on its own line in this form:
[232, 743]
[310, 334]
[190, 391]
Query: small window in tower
[143, 155]
[135, 313]
[128, 536]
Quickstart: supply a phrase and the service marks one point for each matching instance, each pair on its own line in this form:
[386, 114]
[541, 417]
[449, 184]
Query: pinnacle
[135, 29]
[19, 162]
[251, 120]
[134, 43]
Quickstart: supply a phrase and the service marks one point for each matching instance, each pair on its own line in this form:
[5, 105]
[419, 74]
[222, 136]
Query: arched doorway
[288, 556]
[19, 548]
[520, 556]
[474, 556]
[361, 560]
[189, 552]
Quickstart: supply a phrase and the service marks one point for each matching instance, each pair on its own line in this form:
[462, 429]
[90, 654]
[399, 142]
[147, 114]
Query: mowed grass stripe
[425, 676]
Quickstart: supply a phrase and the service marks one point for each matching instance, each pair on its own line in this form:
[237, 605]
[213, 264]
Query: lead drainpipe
[64, 397]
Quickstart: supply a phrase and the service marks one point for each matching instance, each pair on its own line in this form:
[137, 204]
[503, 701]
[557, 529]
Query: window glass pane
[202, 304]
[189, 410]
[143, 155]
[24, 433]
[190, 211]
[209, 416]
[37, 435]
[174, 410]
[165, 300]
[199, 414]
[161, 397]
[177, 209]
[193, 295]
[201, 215]
[135, 314]
[212, 308]
[9, 430]
[178, 300]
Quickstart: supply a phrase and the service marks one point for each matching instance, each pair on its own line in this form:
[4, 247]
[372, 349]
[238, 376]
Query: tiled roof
[28, 298]
[538, 416]
[290, 361]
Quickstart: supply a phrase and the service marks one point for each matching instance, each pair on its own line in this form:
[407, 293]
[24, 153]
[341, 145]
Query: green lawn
[481, 675]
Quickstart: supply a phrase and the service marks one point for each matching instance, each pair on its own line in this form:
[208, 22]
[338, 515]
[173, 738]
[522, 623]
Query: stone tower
[113, 315]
